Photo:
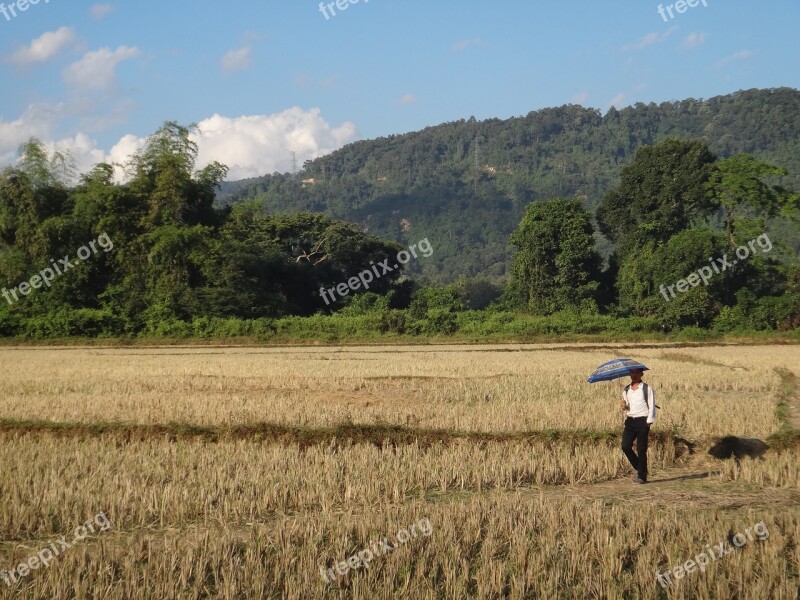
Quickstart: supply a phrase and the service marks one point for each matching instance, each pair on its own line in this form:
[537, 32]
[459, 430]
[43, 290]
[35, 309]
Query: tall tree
[660, 193]
[737, 186]
[556, 267]
[648, 277]
[164, 172]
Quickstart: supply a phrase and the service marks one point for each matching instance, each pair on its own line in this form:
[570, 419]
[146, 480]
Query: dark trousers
[636, 428]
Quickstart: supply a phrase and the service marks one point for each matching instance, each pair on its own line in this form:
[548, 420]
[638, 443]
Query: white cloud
[260, 144]
[82, 150]
[579, 98]
[127, 146]
[617, 101]
[250, 145]
[649, 40]
[121, 153]
[45, 47]
[328, 81]
[692, 40]
[37, 121]
[464, 44]
[625, 98]
[97, 70]
[741, 55]
[236, 60]
[99, 11]
[407, 99]
[84, 153]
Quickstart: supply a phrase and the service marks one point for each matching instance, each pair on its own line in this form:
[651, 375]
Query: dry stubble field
[244, 472]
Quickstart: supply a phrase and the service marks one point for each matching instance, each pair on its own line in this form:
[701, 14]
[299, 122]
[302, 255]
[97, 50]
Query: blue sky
[263, 78]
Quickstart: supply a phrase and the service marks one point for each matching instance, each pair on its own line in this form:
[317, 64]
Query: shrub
[440, 321]
[393, 321]
[81, 322]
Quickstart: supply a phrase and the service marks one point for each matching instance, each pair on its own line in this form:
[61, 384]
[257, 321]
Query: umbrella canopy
[614, 369]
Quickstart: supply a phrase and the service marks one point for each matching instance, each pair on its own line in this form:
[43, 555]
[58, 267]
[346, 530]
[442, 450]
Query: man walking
[639, 399]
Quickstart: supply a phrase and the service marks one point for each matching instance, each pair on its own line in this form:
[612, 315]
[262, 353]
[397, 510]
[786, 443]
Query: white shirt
[637, 405]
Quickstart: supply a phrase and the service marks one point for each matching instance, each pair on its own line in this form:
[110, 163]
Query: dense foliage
[556, 266]
[686, 238]
[167, 256]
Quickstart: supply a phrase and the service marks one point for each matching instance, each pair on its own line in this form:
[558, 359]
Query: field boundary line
[393, 435]
[414, 345]
[379, 436]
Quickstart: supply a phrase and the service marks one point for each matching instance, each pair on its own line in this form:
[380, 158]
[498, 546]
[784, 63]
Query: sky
[264, 78]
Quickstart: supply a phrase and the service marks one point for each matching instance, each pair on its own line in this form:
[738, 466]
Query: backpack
[646, 391]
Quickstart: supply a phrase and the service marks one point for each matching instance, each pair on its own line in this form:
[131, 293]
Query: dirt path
[680, 488]
[683, 488]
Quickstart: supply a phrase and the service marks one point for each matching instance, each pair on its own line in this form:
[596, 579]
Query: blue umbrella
[614, 369]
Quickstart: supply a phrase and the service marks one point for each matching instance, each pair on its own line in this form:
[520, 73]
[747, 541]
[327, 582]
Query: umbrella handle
[620, 387]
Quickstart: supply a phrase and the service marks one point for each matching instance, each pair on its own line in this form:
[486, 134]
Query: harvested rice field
[368, 472]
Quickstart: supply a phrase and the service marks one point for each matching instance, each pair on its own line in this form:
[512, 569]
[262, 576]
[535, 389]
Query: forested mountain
[465, 185]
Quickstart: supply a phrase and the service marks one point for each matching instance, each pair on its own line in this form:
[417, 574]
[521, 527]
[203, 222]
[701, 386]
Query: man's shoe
[639, 481]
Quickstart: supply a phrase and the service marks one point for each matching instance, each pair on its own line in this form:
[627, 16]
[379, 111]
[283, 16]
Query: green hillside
[464, 185]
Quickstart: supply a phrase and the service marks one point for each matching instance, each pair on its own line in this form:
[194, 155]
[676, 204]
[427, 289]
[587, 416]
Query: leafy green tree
[447, 298]
[46, 170]
[737, 186]
[325, 253]
[36, 225]
[661, 193]
[247, 272]
[174, 272]
[695, 308]
[165, 223]
[18, 211]
[30, 194]
[648, 277]
[164, 173]
[479, 293]
[556, 267]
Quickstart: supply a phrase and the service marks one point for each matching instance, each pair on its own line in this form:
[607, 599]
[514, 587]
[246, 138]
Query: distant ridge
[426, 184]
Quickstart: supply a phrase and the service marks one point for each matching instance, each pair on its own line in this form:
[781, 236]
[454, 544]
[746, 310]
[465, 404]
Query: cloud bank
[250, 145]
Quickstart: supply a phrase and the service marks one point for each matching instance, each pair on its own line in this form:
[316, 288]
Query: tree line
[182, 266]
[677, 209]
